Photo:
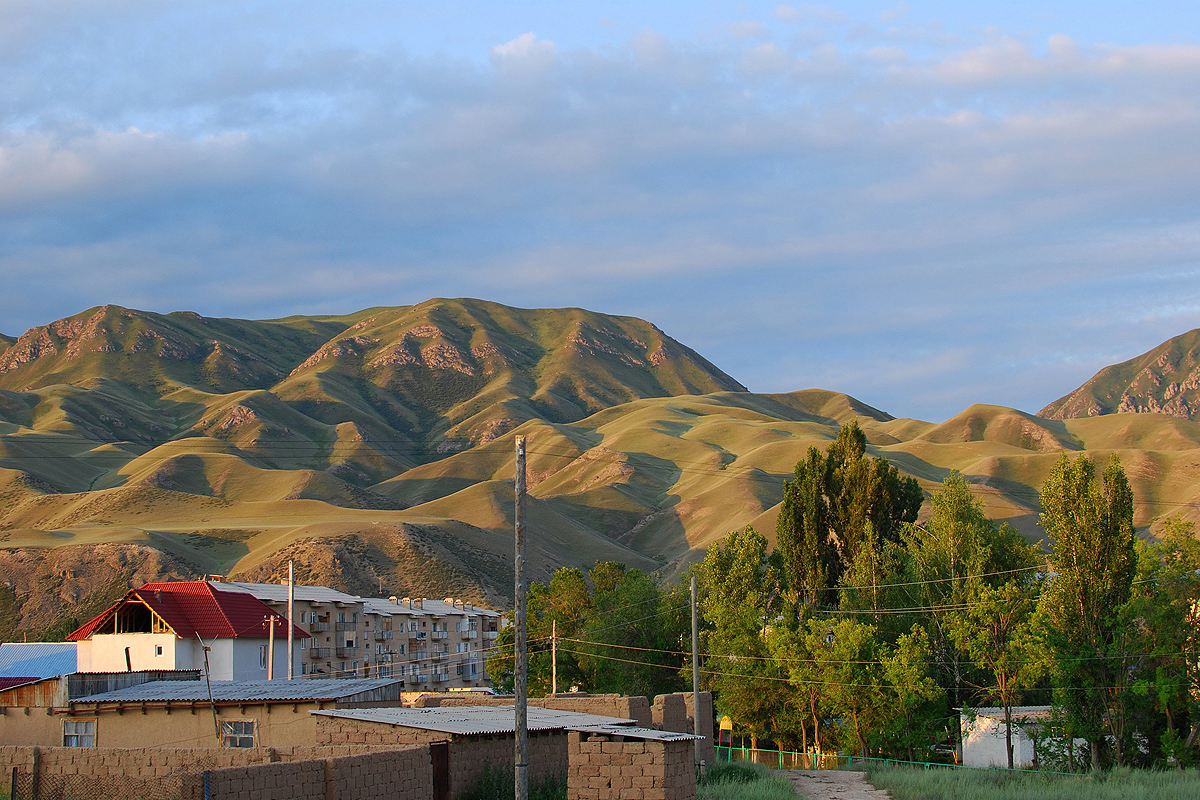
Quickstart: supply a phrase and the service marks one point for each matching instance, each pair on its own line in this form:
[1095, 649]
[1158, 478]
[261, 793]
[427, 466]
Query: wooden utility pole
[695, 673]
[271, 646]
[291, 619]
[208, 682]
[520, 677]
[553, 656]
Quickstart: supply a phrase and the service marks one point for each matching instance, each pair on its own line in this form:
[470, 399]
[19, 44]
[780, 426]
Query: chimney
[393, 600]
[419, 602]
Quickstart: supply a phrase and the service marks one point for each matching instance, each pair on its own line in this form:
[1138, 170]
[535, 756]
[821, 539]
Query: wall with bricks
[607, 705]
[670, 713]
[468, 754]
[705, 725]
[233, 774]
[603, 767]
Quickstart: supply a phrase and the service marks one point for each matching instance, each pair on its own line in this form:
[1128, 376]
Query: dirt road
[834, 785]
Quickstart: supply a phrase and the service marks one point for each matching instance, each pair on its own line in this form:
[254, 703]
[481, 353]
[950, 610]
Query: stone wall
[624, 768]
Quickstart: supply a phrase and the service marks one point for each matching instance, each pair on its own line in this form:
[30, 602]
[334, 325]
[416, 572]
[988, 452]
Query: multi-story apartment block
[431, 644]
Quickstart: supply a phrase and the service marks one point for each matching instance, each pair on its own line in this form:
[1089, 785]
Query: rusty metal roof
[474, 720]
[245, 691]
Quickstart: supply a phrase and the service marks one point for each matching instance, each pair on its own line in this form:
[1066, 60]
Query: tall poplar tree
[1090, 523]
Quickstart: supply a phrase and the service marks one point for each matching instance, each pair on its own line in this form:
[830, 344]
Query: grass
[907, 783]
[498, 783]
[744, 781]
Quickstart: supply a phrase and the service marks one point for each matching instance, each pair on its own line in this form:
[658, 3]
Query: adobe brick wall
[468, 754]
[234, 774]
[705, 717]
[392, 775]
[603, 767]
[670, 713]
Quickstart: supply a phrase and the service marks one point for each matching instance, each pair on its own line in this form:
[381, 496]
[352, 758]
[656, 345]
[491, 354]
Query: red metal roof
[12, 683]
[198, 607]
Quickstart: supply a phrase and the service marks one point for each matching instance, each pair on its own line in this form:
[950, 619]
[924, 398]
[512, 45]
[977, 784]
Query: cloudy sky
[926, 205]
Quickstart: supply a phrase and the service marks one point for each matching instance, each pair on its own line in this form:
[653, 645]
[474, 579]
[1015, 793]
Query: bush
[499, 783]
[744, 781]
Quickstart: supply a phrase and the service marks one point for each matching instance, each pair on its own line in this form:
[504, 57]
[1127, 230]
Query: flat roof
[476, 720]
[244, 691]
[652, 734]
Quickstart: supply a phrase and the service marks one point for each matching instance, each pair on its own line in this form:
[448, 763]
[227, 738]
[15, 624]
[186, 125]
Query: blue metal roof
[37, 659]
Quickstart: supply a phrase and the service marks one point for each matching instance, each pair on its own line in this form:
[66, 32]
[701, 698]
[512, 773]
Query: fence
[786, 759]
[19, 785]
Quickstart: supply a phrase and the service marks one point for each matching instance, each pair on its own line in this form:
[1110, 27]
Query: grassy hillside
[1165, 380]
[380, 458]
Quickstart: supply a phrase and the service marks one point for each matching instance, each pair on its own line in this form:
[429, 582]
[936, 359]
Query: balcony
[318, 652]
[469, 634]
[383, 658]
[440, 634]
[345, 626]
[346, 652]
[383, 636]
[318, 627]
[440, 656]
[419, 635]
[441, 677]
[420, 678]
[490, 634]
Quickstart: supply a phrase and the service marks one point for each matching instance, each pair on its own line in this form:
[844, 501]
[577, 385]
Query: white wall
[106, 652]
[983, 744]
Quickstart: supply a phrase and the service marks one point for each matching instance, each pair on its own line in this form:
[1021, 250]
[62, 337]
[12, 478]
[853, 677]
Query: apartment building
[431, 644]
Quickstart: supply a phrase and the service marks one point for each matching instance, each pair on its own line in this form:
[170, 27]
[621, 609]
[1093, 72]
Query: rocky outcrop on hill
[1165, 380]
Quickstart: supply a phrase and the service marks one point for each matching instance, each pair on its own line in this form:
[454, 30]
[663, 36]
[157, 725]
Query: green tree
[738, 584]
[838, 503]
[1091, 525]
[994, 632]
[848, 654]
[907, 671]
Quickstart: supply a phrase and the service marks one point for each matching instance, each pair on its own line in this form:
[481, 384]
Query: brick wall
[468, 754]
[607, 705]
[346, 773]
[670, 713]
[603, 767]
[392, 775]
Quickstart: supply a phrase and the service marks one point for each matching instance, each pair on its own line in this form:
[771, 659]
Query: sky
[925, 204]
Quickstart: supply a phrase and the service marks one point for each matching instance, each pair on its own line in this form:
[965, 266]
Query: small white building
[166, 626]
[983, 736]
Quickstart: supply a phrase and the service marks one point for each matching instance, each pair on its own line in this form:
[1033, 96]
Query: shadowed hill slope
[1165, 380]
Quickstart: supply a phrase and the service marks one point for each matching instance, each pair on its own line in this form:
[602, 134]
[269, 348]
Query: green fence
[787, 759]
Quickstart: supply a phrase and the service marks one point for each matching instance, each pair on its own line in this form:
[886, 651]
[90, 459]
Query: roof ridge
[221, 609]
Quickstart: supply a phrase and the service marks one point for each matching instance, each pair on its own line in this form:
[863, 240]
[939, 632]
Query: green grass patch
[744, 781]
[499, 783]
[908, 783]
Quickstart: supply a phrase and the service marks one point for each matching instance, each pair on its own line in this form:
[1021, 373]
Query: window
[354, 617]
[303, 616]
[341, 616]
[262, 657]
[237, 733]
[79, 733]
[303, 669]
[402, 649]
[158, 650]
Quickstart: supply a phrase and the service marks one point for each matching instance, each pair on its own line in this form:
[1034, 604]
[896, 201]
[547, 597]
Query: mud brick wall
[670, 713]
[603, 767]
[700, 722]
[468, 754]
[393, 775]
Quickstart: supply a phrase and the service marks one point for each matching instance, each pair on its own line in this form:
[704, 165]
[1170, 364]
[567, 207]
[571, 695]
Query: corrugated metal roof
[198, 608]
[12, 683]
[37, 659]
[637, 733]
[247, 691]
[475, 720]
[277, 592]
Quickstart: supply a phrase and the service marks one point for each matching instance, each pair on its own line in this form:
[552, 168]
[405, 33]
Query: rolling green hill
[376, 450]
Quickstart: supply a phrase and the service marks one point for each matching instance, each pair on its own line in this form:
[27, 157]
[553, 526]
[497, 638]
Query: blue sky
[926, 205]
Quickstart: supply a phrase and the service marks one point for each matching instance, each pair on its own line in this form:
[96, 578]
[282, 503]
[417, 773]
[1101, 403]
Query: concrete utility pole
[520, 677]
[695, 673]
[291, 619]
[271, 646]
[553, 656]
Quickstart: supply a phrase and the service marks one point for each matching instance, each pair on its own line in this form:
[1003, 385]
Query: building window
[158, 650]
[237, 733]
[262, 657]
[304, 669]
[79, 733]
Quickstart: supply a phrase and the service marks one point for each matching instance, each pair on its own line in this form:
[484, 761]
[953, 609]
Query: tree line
[866, 631]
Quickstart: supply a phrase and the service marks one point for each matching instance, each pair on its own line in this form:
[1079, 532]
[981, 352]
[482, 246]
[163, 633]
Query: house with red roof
[170, 626]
